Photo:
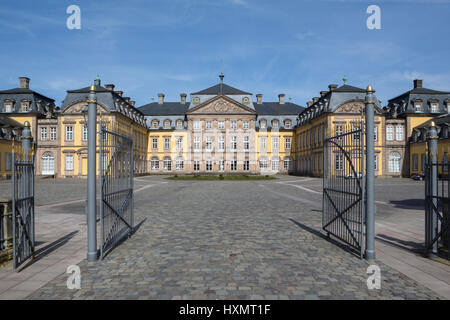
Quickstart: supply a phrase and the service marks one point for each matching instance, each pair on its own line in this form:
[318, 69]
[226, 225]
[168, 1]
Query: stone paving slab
[230, 240]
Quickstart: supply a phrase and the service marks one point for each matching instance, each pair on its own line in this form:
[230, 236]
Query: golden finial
[92, 88]
[369, 88]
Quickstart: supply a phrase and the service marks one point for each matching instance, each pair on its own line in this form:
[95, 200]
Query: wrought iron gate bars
[116, 187]
[344, 186]
[23, 214]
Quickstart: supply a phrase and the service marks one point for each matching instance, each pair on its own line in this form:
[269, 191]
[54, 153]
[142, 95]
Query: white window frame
[197, 146]
[221, 124]
[233, 165]
[221, 143]
[275, 164]
[233, 124]
[52, 133]
[399, 132]
[245, 125]
[154, 164]
[275, 143]
[389, 132]
[287, 143]
[196, 125]
[209, 165]
[43, 133]
[167, 164]
[339, 162]
[262, 124]
[208, 125]
[196, 165]
[180, 143]
[69, 133]
[246, 165]
[84, 134]
[287, 124]
[233, 143]
[166, 143]
[155, 143]
[246, 143]
[263, 143]
[69, 162]
[179, 164]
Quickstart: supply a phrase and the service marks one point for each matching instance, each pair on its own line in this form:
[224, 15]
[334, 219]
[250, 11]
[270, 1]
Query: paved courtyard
[234, 240]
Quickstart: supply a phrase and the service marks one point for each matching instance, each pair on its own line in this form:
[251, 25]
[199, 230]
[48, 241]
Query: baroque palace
[222, 129]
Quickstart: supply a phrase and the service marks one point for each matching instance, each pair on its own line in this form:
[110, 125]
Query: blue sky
[269, 47]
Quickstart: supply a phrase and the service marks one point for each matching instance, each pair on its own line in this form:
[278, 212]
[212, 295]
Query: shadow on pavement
[414, 204]
[329, 239]
[45, 251]
[415, 247]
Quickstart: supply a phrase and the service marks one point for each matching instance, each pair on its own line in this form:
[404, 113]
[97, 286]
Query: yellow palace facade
[222, 129]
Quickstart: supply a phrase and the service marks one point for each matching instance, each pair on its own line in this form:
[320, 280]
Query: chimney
[332, 87]
[418, 83]
[259, 98]
[323, 93]
[281, 98]
[183, 98]
[315, 99]
[160, 98]
[110, 87]
[119, 93]
[309, 103]
[24, 82]
[132, 103]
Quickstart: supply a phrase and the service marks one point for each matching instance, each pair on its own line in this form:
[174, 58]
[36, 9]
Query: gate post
[370, 174]
[92, 175]
[27, 139]
[432, 160]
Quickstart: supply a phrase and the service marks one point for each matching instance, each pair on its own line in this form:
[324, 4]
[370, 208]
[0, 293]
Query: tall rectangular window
[208, 145]
[287, 164]
[221, 143]
[234, 143]
[233, 165]
[221, 124]
[399, 132]
[287, 143]
[375, 133]
[233, 124]
[390, 133]
[221, 165]
[339, 129]
[246, 143]
[245, 125]
[85, 133]
[434, 107]
[275, 164]
[179, 143]
[52, 133]
[424, 161]
[196, 125]
[339, 162]
[69, 133]
[197, 143]
[8, 161]
[69, 162]
[196, 165]
[415, 162]
[166, 143]
[208, 124]
[263, 143]
[246, 165]
[154, 143]
[43, 134]
[274, 143]
[208, 165]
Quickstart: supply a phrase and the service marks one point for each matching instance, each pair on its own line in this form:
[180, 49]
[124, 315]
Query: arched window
[275, 124]
[167, 124]
[287, 124]
[154, 163]
[167, 163]
[179, 164]
[262, 124]
[155, 124]
[48, 164]
[275, 164]
[394, 162]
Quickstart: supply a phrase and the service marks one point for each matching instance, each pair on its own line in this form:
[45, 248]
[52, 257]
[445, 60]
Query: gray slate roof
[167, 108]
[275, 108]
[226, 89]
[25, 91]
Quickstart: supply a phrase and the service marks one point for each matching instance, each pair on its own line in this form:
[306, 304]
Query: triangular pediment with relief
[221, 105]
[355, 106]
[79, 107]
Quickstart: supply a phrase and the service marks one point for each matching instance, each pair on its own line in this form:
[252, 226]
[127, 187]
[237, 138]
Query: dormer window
[287, 124]
[155, 124]
[434, 107]
[8, 107]
[275, 124]
[179, 124]
[245, 100]
[418, 105]
[262, 124]
[24, 106]
[167, 124]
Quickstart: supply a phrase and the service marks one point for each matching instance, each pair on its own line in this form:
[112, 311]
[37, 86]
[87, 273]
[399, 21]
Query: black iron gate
[23, 206]
[116, 186]
[437, 208]
[343, 185]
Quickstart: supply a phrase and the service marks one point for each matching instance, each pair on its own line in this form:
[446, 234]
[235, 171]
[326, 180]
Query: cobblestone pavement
[229, 240]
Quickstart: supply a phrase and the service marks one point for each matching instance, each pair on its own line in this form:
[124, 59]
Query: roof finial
[221, 81]
[344, 79]
[97, 81]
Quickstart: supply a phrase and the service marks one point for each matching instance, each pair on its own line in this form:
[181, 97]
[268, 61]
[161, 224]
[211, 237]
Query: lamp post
[432, 160]
[370, 174]
[92, 173]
